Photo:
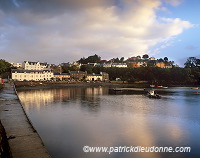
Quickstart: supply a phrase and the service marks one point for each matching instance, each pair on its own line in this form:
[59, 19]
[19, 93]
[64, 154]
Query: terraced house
[31, 75]
[32, 71]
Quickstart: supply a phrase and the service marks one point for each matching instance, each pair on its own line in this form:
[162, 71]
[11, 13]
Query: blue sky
[56, 31]
[185, 44]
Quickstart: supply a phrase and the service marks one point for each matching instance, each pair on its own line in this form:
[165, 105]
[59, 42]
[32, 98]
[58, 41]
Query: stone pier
[23, 139]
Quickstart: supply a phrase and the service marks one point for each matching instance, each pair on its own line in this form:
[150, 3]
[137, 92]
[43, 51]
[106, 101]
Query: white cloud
[102, 28]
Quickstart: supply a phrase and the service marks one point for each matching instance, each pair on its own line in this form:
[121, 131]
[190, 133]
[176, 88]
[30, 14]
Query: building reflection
[38, 98]
[35, 98]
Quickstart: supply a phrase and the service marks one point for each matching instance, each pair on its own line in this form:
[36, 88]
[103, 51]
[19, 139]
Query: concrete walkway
[23, 139]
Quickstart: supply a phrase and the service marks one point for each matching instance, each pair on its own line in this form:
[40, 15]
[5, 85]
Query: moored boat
[152, 94]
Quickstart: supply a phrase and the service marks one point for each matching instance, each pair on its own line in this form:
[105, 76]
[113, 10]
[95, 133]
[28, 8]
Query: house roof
[78, 72]
[104, 73]
[30, 62]
[62, 74]
[94, 75]
[28, 71]
[119, 64]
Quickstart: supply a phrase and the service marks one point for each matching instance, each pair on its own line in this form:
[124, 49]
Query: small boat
[164, 87]
[152, 94]
[152, 85]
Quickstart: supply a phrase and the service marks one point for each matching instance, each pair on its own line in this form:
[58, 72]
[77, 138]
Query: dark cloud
[6, 5]
[51, 6]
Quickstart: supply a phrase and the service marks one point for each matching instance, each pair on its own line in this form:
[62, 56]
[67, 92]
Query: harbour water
[68, 119]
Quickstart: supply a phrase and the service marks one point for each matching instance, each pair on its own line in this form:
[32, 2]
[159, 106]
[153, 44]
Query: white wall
[35, 76]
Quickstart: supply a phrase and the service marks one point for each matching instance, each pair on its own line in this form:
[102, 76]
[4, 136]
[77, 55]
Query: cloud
[66, 30]
[174, 2]
[191, 47]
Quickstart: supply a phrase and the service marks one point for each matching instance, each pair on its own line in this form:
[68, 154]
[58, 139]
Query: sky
[57, 31]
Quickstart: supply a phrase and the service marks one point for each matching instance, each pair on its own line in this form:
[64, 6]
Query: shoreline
[64, 84]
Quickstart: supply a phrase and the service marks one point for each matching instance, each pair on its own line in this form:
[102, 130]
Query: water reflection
[68, 119]
[38, 98]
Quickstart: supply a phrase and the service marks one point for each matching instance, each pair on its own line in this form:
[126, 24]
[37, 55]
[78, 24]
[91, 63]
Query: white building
[169, 66]
[141, 64]
[18, 65]
[103, 76]
[94, 77]
[107, 65]
[27, 65]
[120, 65]
[152, 58]
[31, 75]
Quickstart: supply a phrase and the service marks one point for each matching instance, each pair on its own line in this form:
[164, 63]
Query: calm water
[68, 119]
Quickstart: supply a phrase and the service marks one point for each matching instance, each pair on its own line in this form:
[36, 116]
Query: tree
[91, 59]
[122, 60]
[56, 69]
[146, 56]
[198, 62]
[191, 62]
[86, 68]
[66, 69]
[166, 59]
[94, 59]
[151, 63]
[5, 68]
[116, 60]
[160, 60]
[82, 61]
